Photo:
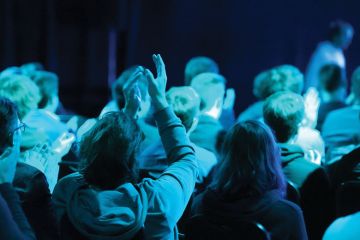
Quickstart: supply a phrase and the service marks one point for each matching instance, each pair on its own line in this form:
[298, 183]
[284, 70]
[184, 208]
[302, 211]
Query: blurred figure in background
[332, 91]
[331, 51]
[280, 78]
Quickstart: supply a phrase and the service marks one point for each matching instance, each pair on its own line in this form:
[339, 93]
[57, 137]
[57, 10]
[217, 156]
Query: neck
[338, 95]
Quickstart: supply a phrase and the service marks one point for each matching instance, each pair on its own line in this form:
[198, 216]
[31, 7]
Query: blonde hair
[22, 91]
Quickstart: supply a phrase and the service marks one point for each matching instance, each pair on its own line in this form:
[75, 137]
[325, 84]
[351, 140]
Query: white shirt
[344, 228]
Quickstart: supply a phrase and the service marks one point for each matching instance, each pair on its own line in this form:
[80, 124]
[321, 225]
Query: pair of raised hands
[156, 87]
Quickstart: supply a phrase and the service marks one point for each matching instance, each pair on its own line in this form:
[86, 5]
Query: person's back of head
[48, 84]
[186, 104]
[8, 120]
[31, 67]
[280, 78]
[355, 85]
[211, 89]
[340, 33]
[250, 164]
[22, 91]
[108, 150]
[198, 65]
[283, 112]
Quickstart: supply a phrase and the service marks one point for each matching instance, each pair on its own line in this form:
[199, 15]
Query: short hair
[331, 77]
[117, 88]
[185, 103]
[280, 78]
[197, 65]
[355, 83]
[32, 67]
[108, 150]
[48, 84]
[250, 162]
[22, 91]
[283, 112]
[8, 117]
[337, 28]
[209, 86]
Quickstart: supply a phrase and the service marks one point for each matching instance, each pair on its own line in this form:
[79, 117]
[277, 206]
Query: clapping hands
[157, 86]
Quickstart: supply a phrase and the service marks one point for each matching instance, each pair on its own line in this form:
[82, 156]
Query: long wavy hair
[108, 151]
[250, 162]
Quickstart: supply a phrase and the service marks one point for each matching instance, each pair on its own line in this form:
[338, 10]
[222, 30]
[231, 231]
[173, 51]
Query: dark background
[89, 42]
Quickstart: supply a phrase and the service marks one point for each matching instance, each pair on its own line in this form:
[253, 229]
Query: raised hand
[132, 93]
[157, 86]
[229, 100]
[312, 103]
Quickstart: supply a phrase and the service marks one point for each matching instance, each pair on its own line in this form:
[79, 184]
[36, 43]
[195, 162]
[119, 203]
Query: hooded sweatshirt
[281, 218]
[152, 206]
[315, 189]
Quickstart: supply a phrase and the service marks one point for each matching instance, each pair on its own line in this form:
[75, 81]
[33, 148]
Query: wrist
[160, 104]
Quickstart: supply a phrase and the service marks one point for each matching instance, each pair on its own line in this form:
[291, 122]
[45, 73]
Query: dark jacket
[33, 190]
[13, 222]
[314, 186]
[283, 219]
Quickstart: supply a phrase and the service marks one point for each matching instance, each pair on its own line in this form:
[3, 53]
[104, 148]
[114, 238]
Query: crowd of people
[155, 162]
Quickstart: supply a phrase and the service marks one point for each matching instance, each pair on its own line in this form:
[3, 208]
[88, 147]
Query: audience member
[211, 89]
[249, 184]
[266, 83]
[283, 112]
[341, 129]
[198, 65]
[332, 91]
[104, 200]
[14, 224]
[42, 127]
[186, 105]
[339, 38]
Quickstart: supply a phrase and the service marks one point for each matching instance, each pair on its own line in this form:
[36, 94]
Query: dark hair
[108, 149]
[8, 117]
[117, 87]
[337, 28]
[250, 163]
[283, 112]
[48, 84]
[197, 65]
[331, 77]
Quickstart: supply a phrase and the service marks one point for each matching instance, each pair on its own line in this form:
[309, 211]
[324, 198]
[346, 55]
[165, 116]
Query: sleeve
[38, 207]
[18, 226]
[170, 193]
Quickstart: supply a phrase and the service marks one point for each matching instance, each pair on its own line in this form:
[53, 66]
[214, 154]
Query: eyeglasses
[21, 127]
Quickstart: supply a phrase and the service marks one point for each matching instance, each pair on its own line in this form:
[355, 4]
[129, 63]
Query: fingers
[160, 66]
[149, 76]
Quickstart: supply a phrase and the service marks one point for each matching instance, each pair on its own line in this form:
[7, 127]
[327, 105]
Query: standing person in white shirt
[331, 51]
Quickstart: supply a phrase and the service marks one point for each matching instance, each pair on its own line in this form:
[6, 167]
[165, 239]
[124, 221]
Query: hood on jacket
[242, 207]
[290, 152]
[106, 215]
